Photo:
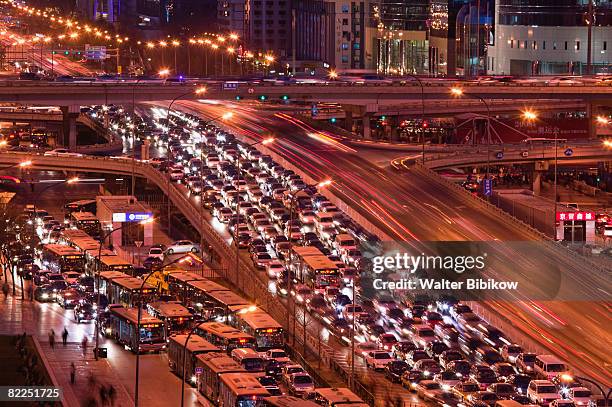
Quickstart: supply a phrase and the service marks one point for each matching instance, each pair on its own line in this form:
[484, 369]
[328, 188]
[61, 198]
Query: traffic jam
[309, 249]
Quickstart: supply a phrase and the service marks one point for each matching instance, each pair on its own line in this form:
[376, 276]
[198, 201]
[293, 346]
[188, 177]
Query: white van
[548, 366]
[344, 242]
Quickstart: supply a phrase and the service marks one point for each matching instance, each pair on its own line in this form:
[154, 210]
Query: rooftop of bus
[185, 276]
[62, 249]
[288, 401]
[131, 283]
[305, 251]
[112, 275]
[220, 363]
[131, 314]
[206, 285]
[258, 319]
[320, 262]
[196, 343]
[244, 384]
[84, 216]
[339, 394]
[227, 298]
[72, 234]
[170, 309]
[219, 328]
[113, 260]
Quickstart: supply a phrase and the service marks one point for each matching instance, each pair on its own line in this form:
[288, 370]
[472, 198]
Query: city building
[115, 210]
[550, 37]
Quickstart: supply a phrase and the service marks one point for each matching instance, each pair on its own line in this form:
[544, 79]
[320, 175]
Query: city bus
[334, 397]
[177, 283]
[106, 277]
[198, 293]
[226, 302]
[176, 317]
[68, 236]
[123, 327]
[60, 258]
[224, 336]
[112, 262]
[85, 205]
[196, 346]
[313, 268]
[249, 359]
[212, 366]
[241, 390]
[267, 332]
[87, 222]
[126, 291]
[286, 401]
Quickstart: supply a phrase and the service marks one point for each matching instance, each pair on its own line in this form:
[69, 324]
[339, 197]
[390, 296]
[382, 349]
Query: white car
[61, 152]
[274, 268]
[176, 174]
[378, 359]
[279, 355]
[71, 277]
[581, 396]
[300, 384]
[156, 252]
[542, 392]
[182, 246]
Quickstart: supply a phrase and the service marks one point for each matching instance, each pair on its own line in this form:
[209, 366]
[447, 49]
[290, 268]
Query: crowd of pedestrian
[100, 394]
[31, 368]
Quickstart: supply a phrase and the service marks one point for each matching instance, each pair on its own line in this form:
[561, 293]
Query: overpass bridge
[567, 153]
[372, 95]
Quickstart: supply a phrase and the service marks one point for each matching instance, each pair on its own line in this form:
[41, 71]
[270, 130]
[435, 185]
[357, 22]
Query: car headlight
[81, 314]
[45, 296]
[108, 331]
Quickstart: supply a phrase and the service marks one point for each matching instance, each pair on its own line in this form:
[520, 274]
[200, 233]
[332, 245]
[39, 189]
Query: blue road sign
[568, 152]
[314, 112]
[487, 187]
[499, 155]
[230, 85]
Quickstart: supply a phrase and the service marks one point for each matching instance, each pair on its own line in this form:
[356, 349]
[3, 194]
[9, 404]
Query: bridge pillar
[69, 118]
[539, 168]
[591, 112]
[367, 130]
[348, 120]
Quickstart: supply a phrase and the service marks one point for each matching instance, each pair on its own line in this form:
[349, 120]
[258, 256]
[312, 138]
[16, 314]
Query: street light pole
[416, 78]
[139, 316]
[191, 332]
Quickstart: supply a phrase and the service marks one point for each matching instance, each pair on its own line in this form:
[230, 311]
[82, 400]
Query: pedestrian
[65, 336]
[72, 372]
[84, 345]
[103, 395]
[112, 395]
[52, 339]
[91, 381]
[5, 290]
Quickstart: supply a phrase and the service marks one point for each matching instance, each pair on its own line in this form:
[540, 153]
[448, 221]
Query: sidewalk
[18, 316]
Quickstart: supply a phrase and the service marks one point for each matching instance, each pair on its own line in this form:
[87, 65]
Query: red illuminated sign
[575, 216]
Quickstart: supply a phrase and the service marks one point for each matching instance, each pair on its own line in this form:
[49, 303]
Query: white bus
[87, 222]
[126, 291]
[176, 317]
[123, 327]
[313, 268]
[212, 366]
[249, 359]
[287, 401]
[60, 258]
[332, 397]
[196, 346]
[241, 390]
[268, 333]
[224, 336]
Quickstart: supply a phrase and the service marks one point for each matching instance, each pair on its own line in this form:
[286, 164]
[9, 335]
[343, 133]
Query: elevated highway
[567, 153]
[370, 95]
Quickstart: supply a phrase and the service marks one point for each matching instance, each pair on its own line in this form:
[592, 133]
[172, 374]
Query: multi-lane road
[411, 208]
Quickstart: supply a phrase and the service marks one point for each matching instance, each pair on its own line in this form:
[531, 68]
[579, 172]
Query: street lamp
[569, 378]
[198, 91]
[457, 92]
[191, 332]
[139, 316]
[98, 264]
